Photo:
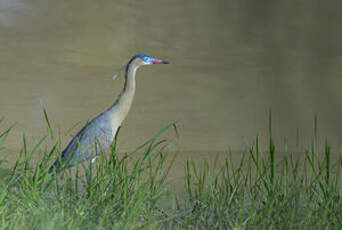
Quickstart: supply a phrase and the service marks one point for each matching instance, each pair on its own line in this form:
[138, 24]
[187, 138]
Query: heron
[100, 131]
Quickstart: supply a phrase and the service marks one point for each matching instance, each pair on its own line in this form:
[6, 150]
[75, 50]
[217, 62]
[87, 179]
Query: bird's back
[98, 133]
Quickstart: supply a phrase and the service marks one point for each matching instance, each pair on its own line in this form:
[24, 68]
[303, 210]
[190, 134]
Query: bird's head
[139, 60]
[143, 59]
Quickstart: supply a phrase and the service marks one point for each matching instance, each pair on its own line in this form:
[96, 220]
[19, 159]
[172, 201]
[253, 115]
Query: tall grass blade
[49, 129]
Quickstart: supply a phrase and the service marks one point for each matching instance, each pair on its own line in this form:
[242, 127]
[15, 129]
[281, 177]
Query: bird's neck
[121, 106]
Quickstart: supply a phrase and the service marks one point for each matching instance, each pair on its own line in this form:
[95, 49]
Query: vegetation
[129, 191]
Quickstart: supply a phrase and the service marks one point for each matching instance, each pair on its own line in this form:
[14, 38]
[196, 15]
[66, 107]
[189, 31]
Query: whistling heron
[101, 131]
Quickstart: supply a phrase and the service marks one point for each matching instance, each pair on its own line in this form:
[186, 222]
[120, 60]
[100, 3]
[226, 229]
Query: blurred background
[231, 61]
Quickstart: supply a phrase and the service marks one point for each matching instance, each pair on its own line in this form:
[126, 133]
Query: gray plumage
[82, 146]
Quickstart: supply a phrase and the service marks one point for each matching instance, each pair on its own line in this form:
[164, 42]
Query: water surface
[230, 62]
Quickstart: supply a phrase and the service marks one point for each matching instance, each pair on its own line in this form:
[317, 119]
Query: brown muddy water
[231, 61]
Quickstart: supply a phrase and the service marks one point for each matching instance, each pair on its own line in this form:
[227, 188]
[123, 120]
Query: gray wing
[96, 134]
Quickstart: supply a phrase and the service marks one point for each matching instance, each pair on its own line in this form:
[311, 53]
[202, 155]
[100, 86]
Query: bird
[101, 130]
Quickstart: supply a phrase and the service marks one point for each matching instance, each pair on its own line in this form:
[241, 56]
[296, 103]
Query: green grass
[129, 191]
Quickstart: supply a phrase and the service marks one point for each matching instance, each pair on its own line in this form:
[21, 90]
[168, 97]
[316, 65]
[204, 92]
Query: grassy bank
[130, 192]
